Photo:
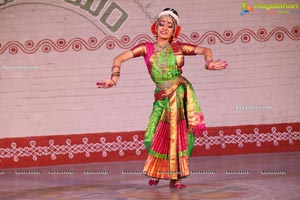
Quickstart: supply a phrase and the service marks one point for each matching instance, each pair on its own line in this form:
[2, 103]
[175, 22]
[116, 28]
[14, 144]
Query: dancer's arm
[116, 68]
[210, 64]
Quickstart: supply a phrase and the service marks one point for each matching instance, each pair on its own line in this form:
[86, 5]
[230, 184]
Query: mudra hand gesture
[112, 81]
[216, 65]
[106, 84]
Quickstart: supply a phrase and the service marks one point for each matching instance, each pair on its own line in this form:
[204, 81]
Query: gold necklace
[159, 47]
[164, 50]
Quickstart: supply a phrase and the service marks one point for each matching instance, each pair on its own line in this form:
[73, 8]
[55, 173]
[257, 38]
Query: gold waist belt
[168, 84]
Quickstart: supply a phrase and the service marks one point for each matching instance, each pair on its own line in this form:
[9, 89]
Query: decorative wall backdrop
[125, 42]
[56, 150]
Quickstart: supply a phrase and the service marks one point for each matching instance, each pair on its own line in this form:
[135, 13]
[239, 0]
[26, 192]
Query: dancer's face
[165, 27]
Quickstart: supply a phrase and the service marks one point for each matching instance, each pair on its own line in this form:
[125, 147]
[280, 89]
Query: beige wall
[59, 96]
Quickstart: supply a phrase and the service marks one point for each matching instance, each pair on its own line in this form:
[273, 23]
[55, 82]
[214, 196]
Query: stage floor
[254, 176]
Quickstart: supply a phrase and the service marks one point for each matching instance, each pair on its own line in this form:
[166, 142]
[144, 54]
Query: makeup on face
[166, 21]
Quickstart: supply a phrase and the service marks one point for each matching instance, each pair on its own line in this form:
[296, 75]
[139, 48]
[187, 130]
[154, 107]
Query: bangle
[115, 74]
[114, 82]
[115, 66]
[209, 61]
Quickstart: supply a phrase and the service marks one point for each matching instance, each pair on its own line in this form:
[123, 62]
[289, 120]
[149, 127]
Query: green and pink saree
[176, 116]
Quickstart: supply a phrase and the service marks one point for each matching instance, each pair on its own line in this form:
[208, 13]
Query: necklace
[164, 50]
[159, 47]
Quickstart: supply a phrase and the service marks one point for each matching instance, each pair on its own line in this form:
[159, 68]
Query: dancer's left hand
[216, 65]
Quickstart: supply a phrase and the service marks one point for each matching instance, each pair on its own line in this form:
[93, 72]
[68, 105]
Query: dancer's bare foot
[153, 181]
[176, 184]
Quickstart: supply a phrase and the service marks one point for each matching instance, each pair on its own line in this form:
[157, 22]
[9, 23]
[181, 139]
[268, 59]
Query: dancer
[176, 117]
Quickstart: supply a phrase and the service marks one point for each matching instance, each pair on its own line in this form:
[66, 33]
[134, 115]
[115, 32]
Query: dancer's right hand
[106, 84]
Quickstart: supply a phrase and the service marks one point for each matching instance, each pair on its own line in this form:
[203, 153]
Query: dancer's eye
[161, 23]
[170, 26]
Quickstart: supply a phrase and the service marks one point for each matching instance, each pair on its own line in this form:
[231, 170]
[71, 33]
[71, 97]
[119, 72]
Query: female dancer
[176, 116]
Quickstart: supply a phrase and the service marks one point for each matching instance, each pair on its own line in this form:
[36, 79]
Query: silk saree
[176, 116]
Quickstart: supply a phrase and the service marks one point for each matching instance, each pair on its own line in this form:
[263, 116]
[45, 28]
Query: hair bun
[173, 10]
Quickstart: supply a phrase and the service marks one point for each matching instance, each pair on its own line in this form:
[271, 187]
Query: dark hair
[173, 10]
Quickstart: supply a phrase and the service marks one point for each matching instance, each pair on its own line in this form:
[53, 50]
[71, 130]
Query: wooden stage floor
[251, 177]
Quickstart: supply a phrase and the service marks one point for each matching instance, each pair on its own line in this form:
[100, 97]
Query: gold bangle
[115, 74]
[115, 66]
[115, 84]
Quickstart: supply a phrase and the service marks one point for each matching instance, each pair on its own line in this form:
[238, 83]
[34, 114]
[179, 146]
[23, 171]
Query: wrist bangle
[115, 66]
[115, 74]
[114, 82]
[209, 61]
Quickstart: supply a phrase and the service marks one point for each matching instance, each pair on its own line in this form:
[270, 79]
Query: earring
[173, 38]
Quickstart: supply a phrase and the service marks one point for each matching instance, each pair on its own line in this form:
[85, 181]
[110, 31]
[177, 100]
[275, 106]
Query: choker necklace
[159, 47]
